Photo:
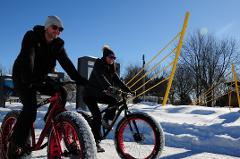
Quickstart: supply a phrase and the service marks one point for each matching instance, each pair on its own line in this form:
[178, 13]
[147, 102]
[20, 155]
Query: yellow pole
[236, 83]
[179, 47]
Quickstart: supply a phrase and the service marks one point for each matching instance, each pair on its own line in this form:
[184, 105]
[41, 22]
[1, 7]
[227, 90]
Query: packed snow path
[190, 131]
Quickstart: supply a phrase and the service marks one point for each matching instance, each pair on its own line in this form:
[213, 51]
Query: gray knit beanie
[53, 20]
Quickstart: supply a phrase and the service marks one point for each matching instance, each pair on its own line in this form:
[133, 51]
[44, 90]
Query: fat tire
[87, 117]
[5, 133]
[156, 127]
[14, 114]
[11, 114]
[83, 132]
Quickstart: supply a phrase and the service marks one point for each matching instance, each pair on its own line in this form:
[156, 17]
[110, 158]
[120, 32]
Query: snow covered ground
[190, 131]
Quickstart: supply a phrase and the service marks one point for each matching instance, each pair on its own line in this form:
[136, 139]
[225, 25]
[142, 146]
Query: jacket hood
[39, 31]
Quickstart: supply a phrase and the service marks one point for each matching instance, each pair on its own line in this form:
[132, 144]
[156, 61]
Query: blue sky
[130, 27]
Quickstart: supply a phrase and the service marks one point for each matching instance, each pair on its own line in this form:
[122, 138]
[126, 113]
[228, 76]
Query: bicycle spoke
[74, 142]
[139, 136]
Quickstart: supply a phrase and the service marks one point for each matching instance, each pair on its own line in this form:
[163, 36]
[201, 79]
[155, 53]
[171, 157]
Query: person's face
[110, 59]
[53, 32]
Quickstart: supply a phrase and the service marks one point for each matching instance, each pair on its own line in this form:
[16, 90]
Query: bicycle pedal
[99, 148]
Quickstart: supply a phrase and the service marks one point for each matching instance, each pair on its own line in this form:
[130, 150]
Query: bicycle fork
[56, 137]
[135, 132]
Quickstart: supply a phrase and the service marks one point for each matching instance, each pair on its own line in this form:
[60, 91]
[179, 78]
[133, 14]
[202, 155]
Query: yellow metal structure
[168, 44]
[202, 97]
[151, 87]
[236, 83]
[179, 47]
[153, 68]
[155, 76]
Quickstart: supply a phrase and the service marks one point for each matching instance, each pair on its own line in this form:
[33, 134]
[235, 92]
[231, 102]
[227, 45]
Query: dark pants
[28, 97]
[91, 102]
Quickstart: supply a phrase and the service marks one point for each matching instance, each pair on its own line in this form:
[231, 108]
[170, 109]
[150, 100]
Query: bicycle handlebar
[117, 91]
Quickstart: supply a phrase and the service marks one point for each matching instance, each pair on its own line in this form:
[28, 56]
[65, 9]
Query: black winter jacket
[101, 78]
[37, 58]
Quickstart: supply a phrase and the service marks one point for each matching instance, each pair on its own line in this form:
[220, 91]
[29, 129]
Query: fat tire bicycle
[137, 135]
[68, 133]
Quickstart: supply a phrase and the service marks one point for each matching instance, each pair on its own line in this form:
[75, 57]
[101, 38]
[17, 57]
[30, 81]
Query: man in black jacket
[102, 79]
[41, 48]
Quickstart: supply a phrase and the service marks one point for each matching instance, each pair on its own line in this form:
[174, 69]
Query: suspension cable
[153, 68]
[165, 68]
[155, 57]
[150, 88]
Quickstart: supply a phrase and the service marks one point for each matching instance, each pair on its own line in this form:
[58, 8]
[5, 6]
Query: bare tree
[208, 58]
[158, 76]
[131, 79]
[132, 76]
[4, 70]
[183, 84]
[1, 70]
[9, 71]
[154, 82]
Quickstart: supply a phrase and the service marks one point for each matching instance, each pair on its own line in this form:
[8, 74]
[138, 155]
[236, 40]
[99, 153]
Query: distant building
[7, 92]
[229, 99]
[6, 89]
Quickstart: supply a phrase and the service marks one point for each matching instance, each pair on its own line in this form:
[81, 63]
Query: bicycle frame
[122, 106]
[56, 108]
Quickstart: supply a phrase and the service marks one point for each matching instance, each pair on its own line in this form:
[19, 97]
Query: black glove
[112, 91]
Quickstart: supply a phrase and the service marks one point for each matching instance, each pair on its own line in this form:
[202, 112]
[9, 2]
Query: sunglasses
[54, 27]
[112, 57]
